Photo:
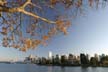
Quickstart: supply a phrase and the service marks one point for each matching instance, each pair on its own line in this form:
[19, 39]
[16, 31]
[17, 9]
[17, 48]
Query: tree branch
[36, 16]
[22, 10]
[26, 3]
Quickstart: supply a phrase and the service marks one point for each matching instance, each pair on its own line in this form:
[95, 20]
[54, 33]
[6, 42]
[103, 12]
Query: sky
[88, 34]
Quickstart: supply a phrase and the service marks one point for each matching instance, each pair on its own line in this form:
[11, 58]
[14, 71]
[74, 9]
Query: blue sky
[88, 34]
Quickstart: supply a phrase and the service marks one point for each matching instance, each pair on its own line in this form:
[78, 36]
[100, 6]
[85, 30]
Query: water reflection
[73, 69]
[36, 68]
[62, 69]
[56, 69]
[84, 69]
[50, 69]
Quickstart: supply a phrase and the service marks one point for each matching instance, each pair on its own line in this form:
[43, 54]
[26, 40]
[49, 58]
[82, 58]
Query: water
[35, 68]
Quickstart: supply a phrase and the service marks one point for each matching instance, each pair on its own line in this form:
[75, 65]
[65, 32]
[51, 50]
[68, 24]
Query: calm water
[35, 68]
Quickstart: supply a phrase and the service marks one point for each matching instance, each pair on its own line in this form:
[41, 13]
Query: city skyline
[50, 54]
[88, 34]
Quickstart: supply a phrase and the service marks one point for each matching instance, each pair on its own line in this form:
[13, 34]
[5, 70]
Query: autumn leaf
[16, 46]
[45, 37]
[79, 3]
[35, 43]
[28, 42]
[44, 43]
[12, 37]
[33, 26]
[53, 2]
[64, 30]
[67, 24]
[11, 28]
[52, 32]
[59, 22]
[4, 31]
[23, 49]
[5, 43]
[68, 3]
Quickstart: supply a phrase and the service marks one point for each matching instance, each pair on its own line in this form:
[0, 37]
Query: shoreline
[69, 65]
[83, 66]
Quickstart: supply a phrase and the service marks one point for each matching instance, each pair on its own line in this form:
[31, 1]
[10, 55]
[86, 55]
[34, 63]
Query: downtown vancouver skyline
[88, 34]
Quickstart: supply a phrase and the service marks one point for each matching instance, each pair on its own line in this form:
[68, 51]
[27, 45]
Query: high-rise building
[84, 59]
[96, 56]
[88, 56]
[70, 59]
[31, 59]
[50, 55]
[103, 55]
[57, 59]
[64, 59]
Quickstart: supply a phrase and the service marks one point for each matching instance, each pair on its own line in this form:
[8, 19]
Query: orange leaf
[28, 42]
[4, 31]
[45, 37]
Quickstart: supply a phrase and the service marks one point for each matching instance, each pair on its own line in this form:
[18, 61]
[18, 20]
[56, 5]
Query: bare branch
[36, 16]
[13, 10]
[26, 3]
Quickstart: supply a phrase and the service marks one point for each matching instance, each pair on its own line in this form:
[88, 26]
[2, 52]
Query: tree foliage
[26, 24]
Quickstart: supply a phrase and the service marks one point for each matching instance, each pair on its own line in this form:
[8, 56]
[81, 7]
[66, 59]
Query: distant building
[49, 55]
[31, 59]
[78, 59]
[83, 59]
[88, 56]
[64, 59]
[103, 55]
[43, 60]
[70, 59]
[96, 56]
[57, 59]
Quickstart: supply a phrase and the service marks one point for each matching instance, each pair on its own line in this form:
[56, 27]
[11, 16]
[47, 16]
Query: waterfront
[36, 68]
